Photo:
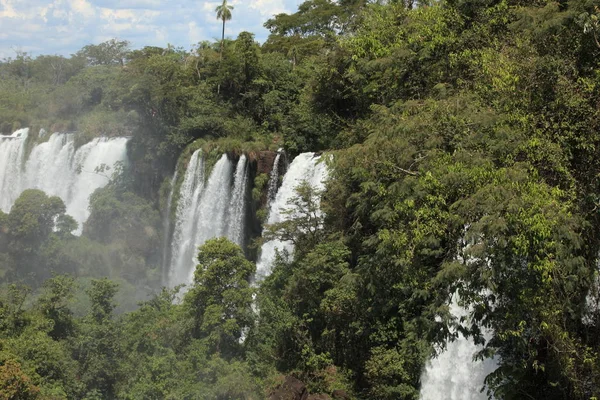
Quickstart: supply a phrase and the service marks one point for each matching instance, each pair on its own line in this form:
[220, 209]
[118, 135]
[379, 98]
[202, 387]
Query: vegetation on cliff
[465, 159]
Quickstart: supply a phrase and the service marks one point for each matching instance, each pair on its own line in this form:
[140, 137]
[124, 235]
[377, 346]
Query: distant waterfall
[59, 169]
[12, 151]
[453, 374]
[167, 229]
[307, 167]
[205, 210]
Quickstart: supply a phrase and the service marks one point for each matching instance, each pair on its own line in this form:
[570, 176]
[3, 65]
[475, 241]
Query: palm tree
[224, 14]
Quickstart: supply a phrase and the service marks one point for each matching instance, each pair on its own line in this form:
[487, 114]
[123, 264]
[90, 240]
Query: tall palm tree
[224, 14]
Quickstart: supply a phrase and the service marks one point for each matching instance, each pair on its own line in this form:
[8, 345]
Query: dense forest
[463, 148]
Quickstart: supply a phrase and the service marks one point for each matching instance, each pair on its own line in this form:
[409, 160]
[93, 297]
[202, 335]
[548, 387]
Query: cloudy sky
[65, 26]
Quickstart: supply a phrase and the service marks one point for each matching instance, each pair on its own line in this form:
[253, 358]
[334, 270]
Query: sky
[65, 26]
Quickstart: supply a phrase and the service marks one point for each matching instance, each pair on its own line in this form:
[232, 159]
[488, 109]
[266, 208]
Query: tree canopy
[462, 147]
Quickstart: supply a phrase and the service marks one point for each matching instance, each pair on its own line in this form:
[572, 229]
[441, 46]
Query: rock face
[264, 161]
[290, 389]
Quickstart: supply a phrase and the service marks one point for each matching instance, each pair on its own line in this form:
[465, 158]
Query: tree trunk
[221, 53]
[222, 37]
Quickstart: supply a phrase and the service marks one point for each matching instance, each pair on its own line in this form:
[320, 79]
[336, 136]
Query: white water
[12, 150]
[214, 203]
[305, 167]
[453, 374]
[274, 179]
[167, 229]
[58, 169]
[592, 300]
[207, 210]
[182, 242]
[237, 205]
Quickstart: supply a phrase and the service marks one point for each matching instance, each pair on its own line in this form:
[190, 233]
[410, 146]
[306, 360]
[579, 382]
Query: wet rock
[264, 161]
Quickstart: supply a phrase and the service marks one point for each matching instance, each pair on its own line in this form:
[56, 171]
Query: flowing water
[305, 167]
[181, 244]
[207, 208]
[274, 179]
[237, 204]
[59, 169]
[167, 230]
[12, 151]
[453, 374]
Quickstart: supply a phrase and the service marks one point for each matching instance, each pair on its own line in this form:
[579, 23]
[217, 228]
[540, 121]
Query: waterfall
[167, 229]
[214, 204]
[206, 210]
[98, 152]
[182, 247]
[59, 169]
[237, 205]
[453, 374]
[306, 167]
[12, 151]
[274, 179]
[591, 314]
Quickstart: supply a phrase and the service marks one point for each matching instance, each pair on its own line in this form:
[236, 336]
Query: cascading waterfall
[274, 179]
[98, 152]
[12, 150]
[211, 218]
[207, 210]
[182, 245]
[167, 229]
[59, 169]
[305, 167]
[453, 374]
[237, 205]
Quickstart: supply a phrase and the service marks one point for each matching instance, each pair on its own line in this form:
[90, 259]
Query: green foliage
[101, 295]
[15, 384]
[32, 220]
[110, 52]
[53, 303]
[98, 346]
[12, 303]
[260, 183]
[49, 361]
[466, 160]
[303, 222]
[221, 298]
[30, 233]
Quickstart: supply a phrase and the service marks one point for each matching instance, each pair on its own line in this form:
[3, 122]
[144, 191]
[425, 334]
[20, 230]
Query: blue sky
[65, 26]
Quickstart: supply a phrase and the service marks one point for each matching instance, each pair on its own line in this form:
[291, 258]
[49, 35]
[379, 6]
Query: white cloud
[83, 8]
[268, 8]
[65, 26]
[43, 12]
[128, 14]
[8, 10]
[195, 33]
